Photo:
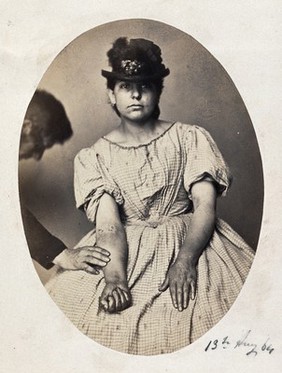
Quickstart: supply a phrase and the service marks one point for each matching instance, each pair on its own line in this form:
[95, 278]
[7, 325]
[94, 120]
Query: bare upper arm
[204, 193]
[107, 213]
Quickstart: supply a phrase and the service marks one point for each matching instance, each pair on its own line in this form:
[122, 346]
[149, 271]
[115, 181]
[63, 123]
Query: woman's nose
[136, 92]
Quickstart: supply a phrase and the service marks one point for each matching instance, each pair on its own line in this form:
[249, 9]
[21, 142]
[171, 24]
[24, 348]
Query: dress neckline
[140, 145]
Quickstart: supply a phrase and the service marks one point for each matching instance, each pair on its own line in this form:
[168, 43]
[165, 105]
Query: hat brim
[135, 78]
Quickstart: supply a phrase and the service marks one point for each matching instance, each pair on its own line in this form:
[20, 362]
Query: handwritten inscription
[245, 343]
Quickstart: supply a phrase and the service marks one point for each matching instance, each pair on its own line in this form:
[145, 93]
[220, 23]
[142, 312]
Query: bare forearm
[112, 238]
[200, 231]
[110, 234]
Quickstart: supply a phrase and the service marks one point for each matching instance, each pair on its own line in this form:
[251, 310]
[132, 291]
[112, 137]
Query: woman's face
[134, 101]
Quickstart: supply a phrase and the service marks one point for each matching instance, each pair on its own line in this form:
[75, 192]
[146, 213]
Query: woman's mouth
[135, 106]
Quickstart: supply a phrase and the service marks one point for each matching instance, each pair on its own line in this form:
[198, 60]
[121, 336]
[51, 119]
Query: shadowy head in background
[45, 124]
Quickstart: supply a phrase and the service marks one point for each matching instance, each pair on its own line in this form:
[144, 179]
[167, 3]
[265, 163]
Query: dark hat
[135, 60]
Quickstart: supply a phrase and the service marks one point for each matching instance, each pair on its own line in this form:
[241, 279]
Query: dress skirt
[152, 325]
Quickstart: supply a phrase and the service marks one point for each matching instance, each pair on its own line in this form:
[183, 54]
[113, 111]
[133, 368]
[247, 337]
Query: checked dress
[151, 184]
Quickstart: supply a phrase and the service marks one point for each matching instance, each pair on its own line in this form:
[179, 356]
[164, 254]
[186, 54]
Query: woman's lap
[152, 325]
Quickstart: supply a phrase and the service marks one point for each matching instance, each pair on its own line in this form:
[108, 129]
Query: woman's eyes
[146, 86]
[124, 86]
[129, 87]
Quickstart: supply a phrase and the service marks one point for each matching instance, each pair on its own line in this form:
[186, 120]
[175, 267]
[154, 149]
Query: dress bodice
[153, 179]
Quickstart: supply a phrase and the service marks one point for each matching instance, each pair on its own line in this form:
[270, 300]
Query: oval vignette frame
[197, 91]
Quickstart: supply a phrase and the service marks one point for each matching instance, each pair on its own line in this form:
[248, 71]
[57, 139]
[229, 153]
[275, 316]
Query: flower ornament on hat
[135, 60]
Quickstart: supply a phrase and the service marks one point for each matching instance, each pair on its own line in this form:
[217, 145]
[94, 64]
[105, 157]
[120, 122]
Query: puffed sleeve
[91, 180]
[204, 161]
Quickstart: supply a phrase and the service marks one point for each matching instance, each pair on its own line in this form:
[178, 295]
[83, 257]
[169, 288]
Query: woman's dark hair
[159, 84]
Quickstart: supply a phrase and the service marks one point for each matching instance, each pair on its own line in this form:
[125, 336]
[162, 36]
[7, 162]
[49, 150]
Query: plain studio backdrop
[197, 91]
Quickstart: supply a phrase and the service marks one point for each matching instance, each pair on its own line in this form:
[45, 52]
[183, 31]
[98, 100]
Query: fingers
[185, 295]
[96, 262]
[98, 253]
[100, 250]
[112, 304]
[193, 290]
[123, 296]
[92, 248]
[117, 301]
[164, 285]
[127, 296]
[179, 297]
[173, 292]
[90, 269]
[104, 303]
[86, 257]
[181, 293]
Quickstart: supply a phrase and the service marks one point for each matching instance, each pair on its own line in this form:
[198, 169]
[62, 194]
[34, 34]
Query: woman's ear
[111, 97]
[27, 127]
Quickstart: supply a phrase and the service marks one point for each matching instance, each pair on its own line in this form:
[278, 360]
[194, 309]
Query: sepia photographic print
[141, 195]
[166, 266]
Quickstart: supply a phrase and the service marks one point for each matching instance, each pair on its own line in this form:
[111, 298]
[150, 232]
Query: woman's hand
[87, 258]
[115, 297]
[181, 280]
